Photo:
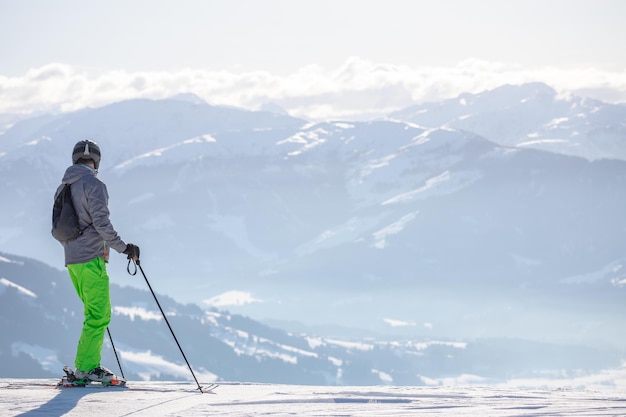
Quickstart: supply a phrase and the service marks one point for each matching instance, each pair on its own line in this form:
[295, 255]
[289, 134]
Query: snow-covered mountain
[366, 225]
[41, 318]
[533, 116]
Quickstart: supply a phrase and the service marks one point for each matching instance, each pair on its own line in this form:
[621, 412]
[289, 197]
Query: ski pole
[115, 351]
[138, 265]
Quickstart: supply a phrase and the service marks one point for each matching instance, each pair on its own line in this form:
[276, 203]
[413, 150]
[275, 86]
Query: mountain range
[531, 116]
[40, 320]
[497, 214]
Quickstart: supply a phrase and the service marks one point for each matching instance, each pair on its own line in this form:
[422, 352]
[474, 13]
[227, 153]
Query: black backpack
[65, 225]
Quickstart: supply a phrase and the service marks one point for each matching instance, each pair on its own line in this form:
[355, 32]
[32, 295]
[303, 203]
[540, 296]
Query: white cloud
[357, 89]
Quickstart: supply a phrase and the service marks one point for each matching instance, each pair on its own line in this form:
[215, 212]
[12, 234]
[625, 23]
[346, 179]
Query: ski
[65, 383]
[70, 381]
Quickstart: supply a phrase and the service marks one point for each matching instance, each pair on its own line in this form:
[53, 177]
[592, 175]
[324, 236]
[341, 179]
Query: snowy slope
[38, 397]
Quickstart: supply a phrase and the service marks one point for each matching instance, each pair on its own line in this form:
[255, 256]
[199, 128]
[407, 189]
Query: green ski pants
[92, 285]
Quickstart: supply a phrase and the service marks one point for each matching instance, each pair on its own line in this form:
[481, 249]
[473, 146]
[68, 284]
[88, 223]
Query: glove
[132, 251]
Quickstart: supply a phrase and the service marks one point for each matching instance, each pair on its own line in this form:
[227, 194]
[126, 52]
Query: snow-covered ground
[21, 397]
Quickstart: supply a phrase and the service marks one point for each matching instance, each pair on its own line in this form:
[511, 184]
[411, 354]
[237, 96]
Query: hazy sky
[245, 53]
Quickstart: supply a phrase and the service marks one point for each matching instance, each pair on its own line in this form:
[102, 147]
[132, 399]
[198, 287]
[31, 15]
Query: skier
[86, 257]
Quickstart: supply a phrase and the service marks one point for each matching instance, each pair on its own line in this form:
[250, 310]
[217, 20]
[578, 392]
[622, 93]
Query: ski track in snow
[21, 397]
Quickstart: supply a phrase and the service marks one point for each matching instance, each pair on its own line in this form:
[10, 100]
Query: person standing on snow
[86, 257]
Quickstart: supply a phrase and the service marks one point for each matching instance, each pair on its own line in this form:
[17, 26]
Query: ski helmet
[86, 149]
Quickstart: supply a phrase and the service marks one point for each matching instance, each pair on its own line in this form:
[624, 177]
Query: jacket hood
[76, 172]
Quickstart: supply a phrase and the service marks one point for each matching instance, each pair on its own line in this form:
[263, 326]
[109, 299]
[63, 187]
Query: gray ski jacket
[91, 199]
